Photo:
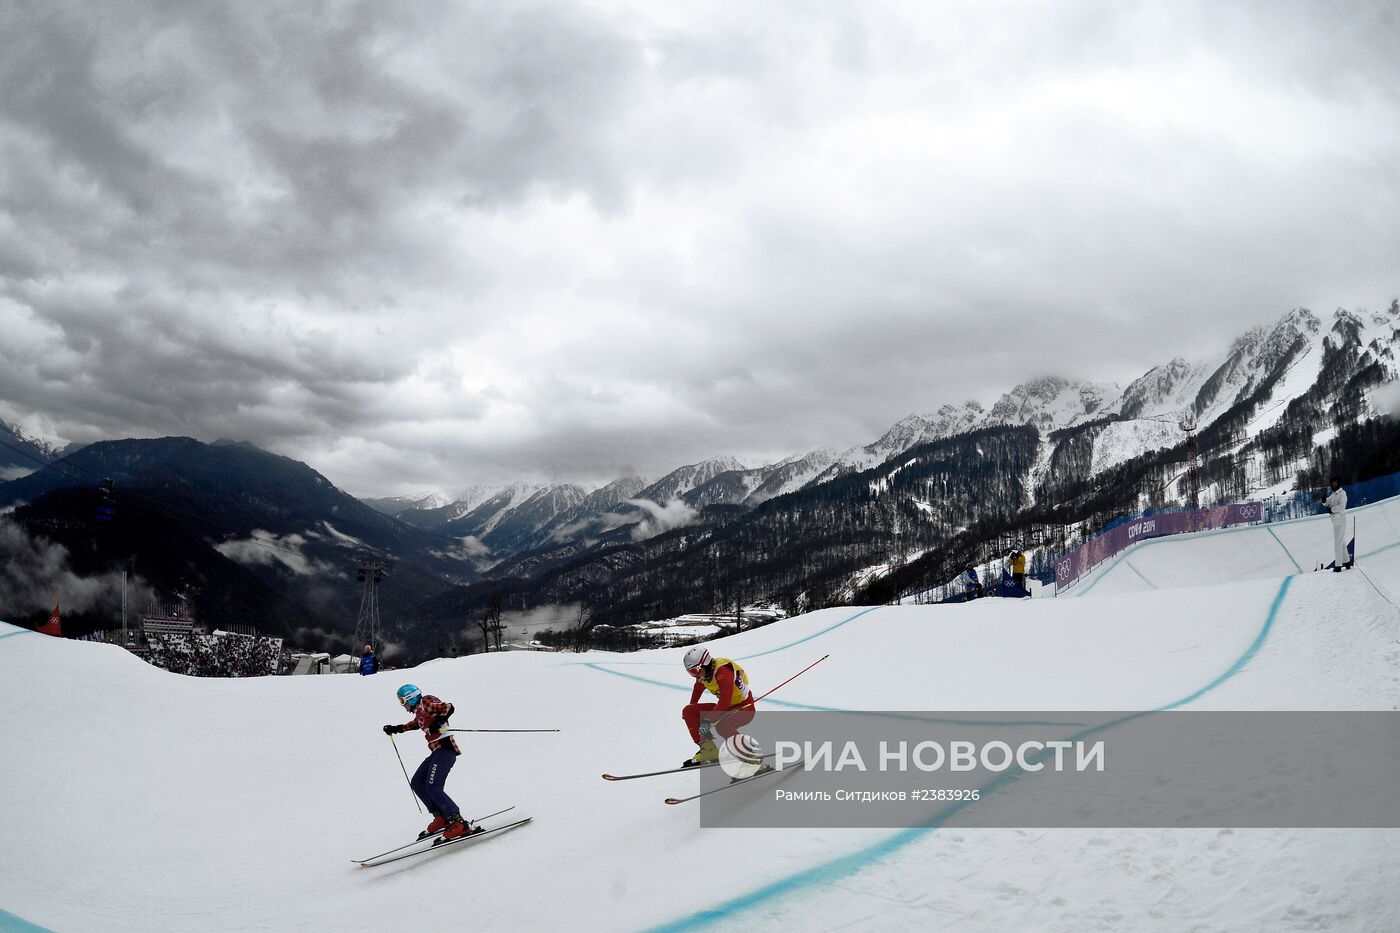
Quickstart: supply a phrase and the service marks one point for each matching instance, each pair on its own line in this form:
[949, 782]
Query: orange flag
[53, 626]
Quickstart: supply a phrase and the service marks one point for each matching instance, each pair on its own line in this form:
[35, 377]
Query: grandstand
[221, 654]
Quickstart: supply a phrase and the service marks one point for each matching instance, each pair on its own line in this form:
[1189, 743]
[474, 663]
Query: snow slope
[135, 799]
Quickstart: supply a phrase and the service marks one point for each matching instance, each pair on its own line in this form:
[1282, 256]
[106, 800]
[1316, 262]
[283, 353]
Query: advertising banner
[1070, 566]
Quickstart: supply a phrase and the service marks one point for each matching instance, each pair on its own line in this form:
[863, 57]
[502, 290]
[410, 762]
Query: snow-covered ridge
[678, 482]
[1052, 403]
[1285, 357]
[393, 505]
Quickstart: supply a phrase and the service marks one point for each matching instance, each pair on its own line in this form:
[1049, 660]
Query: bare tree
[498, 629]
[490, 624]
[584, 623]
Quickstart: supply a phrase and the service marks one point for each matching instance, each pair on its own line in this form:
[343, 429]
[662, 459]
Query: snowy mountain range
[396, 504]
[21, 455]
[1282, 361]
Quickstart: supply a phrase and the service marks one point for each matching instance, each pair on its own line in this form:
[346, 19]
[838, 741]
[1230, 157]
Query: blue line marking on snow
[9, 923]
[1381, 550]
[23, 631]
[597, 666]
[1285, 548]
[1241, 661]
[747, 657]
[835, 869]
[793, 644]
[1121, 557]
[1149, 583]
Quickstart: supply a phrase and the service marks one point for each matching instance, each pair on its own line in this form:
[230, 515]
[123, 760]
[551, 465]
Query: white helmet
[696, 657]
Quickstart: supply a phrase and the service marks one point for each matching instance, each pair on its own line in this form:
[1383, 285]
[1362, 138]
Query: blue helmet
[409, 695]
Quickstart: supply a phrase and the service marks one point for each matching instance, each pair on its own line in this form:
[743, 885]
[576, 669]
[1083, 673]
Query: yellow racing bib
[741, 692]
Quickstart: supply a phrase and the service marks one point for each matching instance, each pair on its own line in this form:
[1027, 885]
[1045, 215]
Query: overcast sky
[424, 244]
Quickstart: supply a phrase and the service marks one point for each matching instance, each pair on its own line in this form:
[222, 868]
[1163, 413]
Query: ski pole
[405, 773]
[770, 692]
[500, 730]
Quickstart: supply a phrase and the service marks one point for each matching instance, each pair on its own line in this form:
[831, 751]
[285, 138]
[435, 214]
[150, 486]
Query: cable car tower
[1193, 467]
[368, 574]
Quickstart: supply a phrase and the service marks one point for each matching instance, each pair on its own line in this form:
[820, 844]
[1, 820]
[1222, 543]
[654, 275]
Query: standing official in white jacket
[1336, 504]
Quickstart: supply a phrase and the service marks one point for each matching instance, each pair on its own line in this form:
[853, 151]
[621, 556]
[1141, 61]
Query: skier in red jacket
[430, 714]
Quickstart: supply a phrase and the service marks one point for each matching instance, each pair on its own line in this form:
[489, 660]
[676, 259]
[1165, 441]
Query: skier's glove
[392, 730]
[707, 730]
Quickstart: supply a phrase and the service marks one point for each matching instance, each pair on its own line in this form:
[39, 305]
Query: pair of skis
[435, 843]
[764, 772]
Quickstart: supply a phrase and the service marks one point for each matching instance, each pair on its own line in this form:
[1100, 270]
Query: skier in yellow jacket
[1018, 567]
[735, 706]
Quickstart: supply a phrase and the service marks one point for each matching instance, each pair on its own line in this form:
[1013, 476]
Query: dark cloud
[35, 572]
[420, 245]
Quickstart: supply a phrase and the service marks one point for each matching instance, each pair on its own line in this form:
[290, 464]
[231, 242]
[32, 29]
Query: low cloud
[661, 518]
[592, 525]
[35, 571]
[1385, 399]
[311, 638]
[264, 549]
[475, 547]
[654, 519]
[388, 650]
[574, 529]
[530, 622]
[341, 536]
[470, 550]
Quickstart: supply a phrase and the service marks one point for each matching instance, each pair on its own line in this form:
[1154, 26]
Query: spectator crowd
[222, 654]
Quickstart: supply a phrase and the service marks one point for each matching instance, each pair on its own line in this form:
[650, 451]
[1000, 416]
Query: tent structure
[319, 663]
[345, 664]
